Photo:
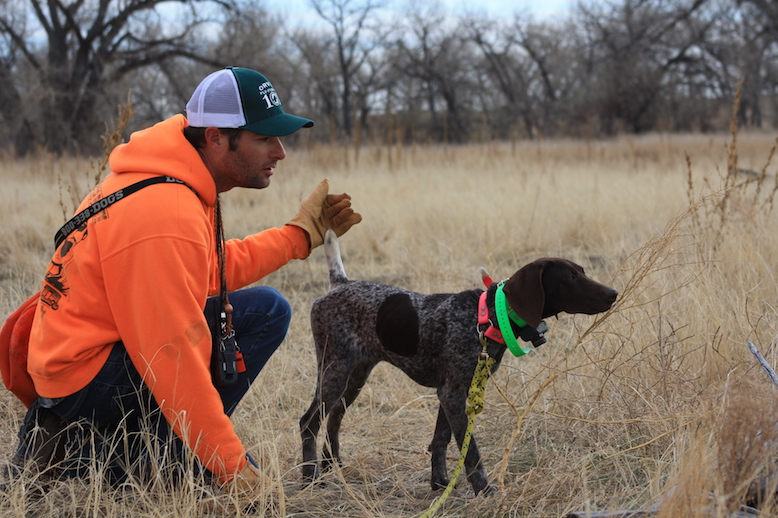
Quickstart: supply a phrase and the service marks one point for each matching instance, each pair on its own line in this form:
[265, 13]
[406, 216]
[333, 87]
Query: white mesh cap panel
[216, 102]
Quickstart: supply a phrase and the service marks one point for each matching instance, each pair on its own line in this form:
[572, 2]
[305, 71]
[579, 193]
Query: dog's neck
[495, 349]
[496, 346]
[503, 325]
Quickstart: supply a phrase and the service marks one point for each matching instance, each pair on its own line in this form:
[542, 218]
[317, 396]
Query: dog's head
[551, 285]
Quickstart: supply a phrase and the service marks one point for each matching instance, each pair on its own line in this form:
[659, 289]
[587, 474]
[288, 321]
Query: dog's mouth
[609, 298]
[589, 307]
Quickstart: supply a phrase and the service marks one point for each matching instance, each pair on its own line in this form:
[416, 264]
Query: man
[122, 336]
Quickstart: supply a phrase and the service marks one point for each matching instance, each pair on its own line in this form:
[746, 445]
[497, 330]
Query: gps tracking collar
[506, 317]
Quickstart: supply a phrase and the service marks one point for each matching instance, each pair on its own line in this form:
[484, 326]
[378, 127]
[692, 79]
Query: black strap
[225, 346]
[103, 203]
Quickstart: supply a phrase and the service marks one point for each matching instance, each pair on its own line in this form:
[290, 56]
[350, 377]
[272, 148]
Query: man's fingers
[338, 213]
[341, 216]
[335, 198]
[331, 209]
[346, 223]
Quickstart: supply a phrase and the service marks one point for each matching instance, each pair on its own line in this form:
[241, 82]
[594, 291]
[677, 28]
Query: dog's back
[365, 321]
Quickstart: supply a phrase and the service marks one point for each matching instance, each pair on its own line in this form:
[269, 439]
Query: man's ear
[215, 139]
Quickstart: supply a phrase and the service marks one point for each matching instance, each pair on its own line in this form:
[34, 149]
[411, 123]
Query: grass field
[657, 401]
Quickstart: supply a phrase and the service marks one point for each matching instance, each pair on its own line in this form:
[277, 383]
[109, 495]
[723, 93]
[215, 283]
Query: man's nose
[278, 152]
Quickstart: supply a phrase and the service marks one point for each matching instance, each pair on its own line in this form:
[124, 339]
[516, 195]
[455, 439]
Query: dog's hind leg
[310, 423]
[437, 448]
[356, 381]
[330, 387]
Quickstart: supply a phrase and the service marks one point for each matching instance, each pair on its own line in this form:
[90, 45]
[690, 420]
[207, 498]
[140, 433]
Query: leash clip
[483, 356]
[481, 338]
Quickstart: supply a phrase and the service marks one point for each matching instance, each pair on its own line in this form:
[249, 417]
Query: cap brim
[279, 125]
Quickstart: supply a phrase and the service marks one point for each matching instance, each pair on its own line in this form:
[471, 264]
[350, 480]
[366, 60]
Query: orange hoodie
[140, 272]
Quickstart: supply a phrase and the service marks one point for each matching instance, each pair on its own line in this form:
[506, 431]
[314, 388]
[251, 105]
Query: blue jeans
[117, 399]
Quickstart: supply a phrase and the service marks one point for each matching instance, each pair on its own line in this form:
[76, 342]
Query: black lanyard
[227, 360]
[103, 203]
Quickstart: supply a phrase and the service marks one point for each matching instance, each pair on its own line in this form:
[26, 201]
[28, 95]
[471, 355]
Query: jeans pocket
[68, 408]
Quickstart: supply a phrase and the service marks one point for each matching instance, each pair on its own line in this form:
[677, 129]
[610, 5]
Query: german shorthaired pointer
[434, 339]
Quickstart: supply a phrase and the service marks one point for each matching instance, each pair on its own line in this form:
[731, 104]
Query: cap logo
[269, 95]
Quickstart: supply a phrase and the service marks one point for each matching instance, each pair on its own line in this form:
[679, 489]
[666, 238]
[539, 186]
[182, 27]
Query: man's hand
[251, 487]
[338, 214]
[320, 211]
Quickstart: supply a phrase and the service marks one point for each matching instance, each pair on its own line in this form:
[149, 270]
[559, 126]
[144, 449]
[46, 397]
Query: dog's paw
[486, 491]
[328, 464]
[439, 484]
[311, 472]
[313, 483]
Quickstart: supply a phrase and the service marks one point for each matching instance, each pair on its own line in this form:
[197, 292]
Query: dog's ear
[525, 294]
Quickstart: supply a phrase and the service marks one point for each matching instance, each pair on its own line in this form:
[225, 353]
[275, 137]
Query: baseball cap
[241, 98]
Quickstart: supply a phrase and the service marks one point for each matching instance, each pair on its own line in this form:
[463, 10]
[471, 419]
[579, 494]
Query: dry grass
[659, 400]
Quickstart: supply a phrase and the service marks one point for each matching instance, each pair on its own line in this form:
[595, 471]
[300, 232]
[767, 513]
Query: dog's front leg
[454, 403]
[438, 448]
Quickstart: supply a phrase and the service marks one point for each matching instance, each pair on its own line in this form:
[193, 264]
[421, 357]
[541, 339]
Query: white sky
[296, 11]
[541, 9]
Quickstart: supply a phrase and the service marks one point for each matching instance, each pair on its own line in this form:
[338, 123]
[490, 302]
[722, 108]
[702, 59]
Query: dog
[433, 338]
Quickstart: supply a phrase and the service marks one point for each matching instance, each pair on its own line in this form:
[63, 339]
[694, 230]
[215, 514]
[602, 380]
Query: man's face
[252, 162]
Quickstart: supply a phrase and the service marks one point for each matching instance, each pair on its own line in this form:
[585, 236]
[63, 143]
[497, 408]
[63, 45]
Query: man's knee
[261, 306]
[281, 307]
[278, 306]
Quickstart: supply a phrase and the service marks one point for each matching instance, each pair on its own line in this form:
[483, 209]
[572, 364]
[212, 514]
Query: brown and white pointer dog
[434, 339]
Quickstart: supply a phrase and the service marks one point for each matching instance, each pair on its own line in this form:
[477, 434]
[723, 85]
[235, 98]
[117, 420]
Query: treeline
[368, 74]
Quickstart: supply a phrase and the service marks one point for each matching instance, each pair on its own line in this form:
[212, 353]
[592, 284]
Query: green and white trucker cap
[241, 98]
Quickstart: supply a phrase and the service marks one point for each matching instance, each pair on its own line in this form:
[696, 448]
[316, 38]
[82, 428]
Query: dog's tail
[334, 262]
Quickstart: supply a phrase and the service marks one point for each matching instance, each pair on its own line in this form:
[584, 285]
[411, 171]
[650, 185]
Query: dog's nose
[611, 294]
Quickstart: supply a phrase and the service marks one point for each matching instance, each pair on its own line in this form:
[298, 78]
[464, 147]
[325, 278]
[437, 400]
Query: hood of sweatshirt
[162, 150]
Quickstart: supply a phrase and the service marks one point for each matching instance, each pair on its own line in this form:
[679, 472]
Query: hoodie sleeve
[258, 255]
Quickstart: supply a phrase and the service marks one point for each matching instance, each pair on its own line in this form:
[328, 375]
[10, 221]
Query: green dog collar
[504, 317]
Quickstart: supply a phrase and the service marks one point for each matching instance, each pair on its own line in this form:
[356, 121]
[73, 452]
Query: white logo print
[269, 94]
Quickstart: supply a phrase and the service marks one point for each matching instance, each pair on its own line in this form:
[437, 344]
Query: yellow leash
[475, 403]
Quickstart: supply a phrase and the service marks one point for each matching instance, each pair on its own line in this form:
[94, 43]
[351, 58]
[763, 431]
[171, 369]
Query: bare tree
[357, 34]
[507, 71]
[620, 65]
[634, 46]
[89, 46]
[434, 54]
[532, 66]
[768, 9]
[318, 65]
[750, 29]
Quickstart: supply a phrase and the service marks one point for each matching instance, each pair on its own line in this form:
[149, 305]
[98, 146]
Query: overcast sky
[298, 10]
[541, 9]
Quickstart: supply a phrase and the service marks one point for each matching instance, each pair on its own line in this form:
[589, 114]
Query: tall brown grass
[656, 403]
